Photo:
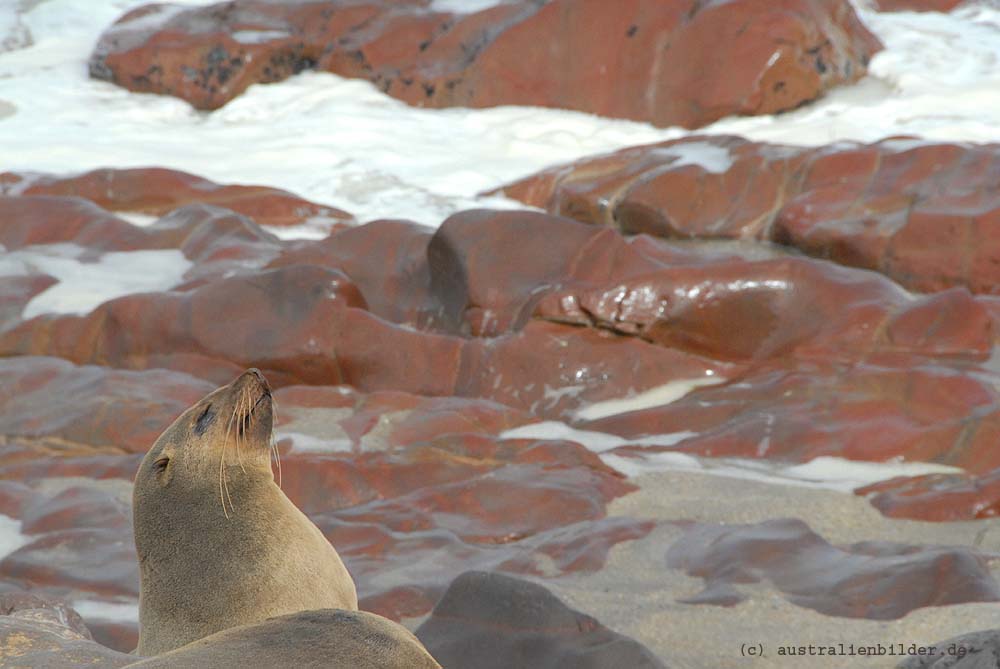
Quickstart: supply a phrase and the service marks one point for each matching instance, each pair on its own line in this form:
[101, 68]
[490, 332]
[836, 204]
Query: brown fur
[329, 639]
[219, 543]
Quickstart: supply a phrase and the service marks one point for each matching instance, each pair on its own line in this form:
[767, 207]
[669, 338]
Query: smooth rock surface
[490, 621]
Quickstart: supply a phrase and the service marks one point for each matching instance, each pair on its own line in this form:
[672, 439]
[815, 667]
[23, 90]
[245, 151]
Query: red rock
[34, 463]
[13, 496]
[68, 409]
[553, 370]
[285, 328]
[918, 411]
[490, 620]
[157, 191]
[123, 637]
[16, 292]
[876, 580]
[408, 601]
[25, 221]
[489, 279]
[896, 207]
[219, 241]
[98, 563]
[678, 62]
[387, 420]
[387, 260]
[79, 507]
[739, 310]
[937, 497]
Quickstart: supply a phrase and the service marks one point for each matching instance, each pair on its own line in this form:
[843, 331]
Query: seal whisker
[244, 421]
[274, 440]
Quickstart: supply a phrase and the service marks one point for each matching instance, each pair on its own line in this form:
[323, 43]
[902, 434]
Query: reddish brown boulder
[384, 420]
[919, 411]
[17, 291]
[387, 260]
[25, 221]
[79, 507]
[157, 191]
[219, 241]
[95, 563]
[937, 497]
[877, 580]
[35, 632]
[490, 620]
[67, 409]
[681, 62]
[919, 212]
[289, 324]
[739, 310]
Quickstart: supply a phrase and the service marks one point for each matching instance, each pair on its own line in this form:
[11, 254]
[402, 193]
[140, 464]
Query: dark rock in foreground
[492, 621]
[978, 650]
[874, 580]
[38, 633]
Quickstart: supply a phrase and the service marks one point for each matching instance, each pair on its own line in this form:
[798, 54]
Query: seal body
[219, 543]
[331, 639]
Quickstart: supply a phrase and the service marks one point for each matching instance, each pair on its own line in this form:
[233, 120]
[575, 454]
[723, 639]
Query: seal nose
[259, 377]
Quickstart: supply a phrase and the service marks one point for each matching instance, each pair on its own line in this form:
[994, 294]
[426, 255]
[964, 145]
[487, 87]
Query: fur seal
[219, 543]
[331, 639]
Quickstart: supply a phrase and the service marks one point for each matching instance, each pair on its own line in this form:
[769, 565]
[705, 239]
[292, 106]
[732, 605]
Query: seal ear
[163, 466]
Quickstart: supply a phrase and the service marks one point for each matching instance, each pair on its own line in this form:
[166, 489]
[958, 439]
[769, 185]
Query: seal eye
[161, 465]
[204, 420]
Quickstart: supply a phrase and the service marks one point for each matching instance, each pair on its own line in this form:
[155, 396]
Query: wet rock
[79, 507]
[68, 409]
[875, 580]
[387, 260]
[895, 206]
[85, 563]
[937, 497]
[156, 191]
[16, 292]
[738, 57]
[908, 408]
[219, 242]
[117, 635]
[488, 279]
[978, 650]
[491, 620]
[287, 316]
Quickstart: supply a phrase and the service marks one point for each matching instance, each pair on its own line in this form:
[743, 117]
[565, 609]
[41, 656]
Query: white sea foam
[112, 611]
[308, 443]
[84, 285]
[10, 536]
[463, 6]
[599, 442]
[825, 472]
[707, 156]
[654, 397]
[343, 143]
